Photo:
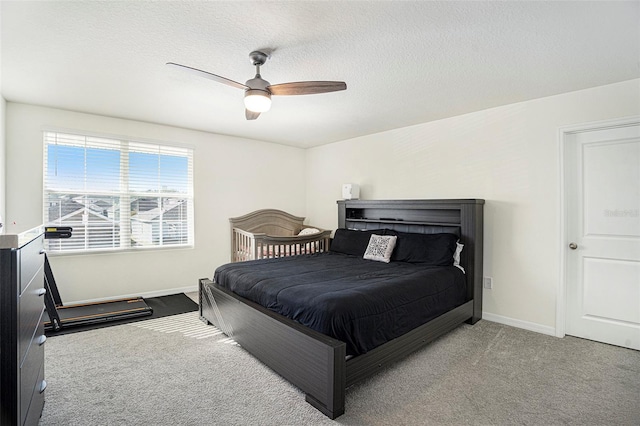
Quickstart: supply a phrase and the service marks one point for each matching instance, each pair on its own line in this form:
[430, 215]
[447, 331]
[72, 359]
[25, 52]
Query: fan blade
[306, 87]
[209, 76]
[250, 115]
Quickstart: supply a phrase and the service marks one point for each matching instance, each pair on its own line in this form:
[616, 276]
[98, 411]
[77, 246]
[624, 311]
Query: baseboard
[147, 294]
[526, 325]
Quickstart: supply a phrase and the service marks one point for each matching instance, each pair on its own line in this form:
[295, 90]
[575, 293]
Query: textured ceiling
[404, 62]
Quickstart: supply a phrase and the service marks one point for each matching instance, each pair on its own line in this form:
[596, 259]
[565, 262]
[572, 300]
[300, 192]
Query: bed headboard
[461, 217]
[269, 221]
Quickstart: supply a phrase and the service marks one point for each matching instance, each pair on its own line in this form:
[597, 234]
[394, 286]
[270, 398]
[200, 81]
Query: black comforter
[360, 302]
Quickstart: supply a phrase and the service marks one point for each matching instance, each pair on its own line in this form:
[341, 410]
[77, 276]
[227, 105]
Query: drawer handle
[41, 291]
[41, 340]
[43, 386]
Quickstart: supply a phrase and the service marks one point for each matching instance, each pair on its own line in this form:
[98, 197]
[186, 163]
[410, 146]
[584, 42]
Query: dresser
[22, 336]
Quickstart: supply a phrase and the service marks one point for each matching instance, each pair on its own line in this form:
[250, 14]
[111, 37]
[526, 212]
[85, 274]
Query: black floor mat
[162, 306]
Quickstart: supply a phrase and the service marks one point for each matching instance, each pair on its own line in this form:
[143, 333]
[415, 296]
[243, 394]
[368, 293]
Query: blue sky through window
[157, 172]
[69, 167]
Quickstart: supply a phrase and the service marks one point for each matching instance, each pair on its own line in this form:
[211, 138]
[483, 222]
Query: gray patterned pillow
[380, 248]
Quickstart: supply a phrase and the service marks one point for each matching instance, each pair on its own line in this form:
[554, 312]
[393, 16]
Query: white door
[602, 178]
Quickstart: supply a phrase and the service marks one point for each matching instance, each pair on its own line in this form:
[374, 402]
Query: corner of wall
[3, 144]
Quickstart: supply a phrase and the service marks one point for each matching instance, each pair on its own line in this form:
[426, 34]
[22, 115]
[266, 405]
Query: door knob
[573, 246]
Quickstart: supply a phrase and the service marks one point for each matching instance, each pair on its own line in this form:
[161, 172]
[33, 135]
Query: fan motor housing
[258, 83]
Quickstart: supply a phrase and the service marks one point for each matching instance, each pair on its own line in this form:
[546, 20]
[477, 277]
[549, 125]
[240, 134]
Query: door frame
[564, 133]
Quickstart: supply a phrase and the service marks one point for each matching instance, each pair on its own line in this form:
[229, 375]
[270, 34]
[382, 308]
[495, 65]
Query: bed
[271, 233]
[323, 366]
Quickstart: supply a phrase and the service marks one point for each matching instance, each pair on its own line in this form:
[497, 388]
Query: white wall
[3, 106]
[3, 162]
[232, 176]
[507, 155]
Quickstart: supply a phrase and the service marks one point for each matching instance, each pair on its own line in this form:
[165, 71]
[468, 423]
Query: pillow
[430, 249]
[380, 248]
[309, 231]
[350, 241]
[456, 256]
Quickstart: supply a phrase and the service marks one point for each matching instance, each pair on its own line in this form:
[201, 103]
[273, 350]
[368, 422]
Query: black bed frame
[316, 363]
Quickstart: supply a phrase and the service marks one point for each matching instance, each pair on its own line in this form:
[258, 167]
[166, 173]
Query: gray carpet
[180, 372]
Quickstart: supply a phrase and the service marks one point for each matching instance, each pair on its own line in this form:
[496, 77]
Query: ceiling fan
[257, 91]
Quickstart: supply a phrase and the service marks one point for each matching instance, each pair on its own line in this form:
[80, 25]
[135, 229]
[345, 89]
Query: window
[117, 194]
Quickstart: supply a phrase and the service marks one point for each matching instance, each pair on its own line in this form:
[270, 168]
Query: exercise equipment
[58, 316]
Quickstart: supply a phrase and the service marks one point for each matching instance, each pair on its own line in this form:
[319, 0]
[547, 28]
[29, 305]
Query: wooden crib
[271, 233]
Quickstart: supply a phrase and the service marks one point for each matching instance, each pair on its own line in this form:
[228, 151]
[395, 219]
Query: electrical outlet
[487, 283]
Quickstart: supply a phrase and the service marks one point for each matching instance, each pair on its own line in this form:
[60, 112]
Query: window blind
[117, 194]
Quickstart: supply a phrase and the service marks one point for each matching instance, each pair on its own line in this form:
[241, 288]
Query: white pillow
[309, 231]
[380, 248]
[456, 256]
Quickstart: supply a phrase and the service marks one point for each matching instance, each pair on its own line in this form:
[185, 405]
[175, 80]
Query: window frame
[125, 194]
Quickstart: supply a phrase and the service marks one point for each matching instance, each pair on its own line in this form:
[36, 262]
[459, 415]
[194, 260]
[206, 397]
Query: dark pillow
[349, 241]
[430, 249]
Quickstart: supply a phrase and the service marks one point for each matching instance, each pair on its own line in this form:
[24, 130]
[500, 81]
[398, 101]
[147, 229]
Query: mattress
[360, 302]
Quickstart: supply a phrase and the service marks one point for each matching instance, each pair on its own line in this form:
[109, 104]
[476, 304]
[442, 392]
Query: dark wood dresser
[22, 336]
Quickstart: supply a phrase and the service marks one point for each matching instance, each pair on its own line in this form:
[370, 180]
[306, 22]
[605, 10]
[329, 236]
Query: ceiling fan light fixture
[257, 100]
[258, 91]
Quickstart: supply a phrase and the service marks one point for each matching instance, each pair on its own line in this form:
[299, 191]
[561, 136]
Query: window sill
[101, 252]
